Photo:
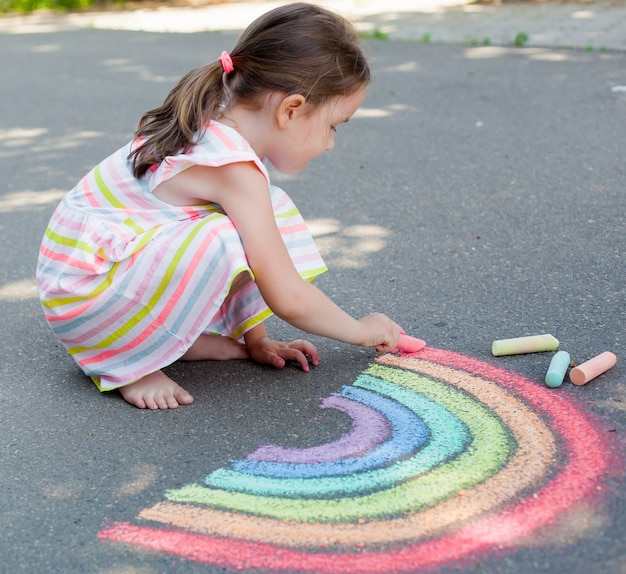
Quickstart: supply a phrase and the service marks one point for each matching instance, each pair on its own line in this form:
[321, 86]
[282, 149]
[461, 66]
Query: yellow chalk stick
[520, 345]
[592, 368]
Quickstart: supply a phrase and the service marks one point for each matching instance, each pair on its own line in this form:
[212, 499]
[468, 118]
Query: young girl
[176, 247]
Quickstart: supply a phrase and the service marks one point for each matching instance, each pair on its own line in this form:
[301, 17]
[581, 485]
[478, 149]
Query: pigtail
[178, 123]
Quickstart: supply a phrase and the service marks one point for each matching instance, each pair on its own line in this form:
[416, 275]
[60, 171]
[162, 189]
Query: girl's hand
[382, 333]
[266, 351]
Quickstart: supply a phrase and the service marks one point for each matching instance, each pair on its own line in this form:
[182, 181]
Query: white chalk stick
[592, 368]
[521, 345]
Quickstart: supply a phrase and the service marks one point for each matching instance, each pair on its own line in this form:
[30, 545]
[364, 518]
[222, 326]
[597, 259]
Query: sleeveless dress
[128, 282]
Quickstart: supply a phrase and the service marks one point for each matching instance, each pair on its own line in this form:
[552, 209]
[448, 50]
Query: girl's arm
[242, 191]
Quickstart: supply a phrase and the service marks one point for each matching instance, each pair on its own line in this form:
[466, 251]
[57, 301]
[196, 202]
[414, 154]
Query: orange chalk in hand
[408, 344]
[592, 368]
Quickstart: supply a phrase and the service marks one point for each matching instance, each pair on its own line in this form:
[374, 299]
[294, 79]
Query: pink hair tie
[227, 62]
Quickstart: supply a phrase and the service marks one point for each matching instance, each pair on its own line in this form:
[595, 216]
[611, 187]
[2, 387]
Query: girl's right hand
[381, 332]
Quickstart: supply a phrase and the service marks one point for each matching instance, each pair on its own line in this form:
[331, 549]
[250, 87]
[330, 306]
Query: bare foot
[215, 348]
[155, 391]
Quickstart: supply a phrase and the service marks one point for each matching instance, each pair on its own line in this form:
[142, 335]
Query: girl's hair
[294, 49]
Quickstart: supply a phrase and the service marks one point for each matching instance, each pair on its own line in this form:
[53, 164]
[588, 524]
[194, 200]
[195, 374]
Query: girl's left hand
[266, 351]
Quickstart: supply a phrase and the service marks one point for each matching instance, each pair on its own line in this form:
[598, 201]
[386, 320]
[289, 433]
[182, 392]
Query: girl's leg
[155, 391]
[158, 391]
[215, 348]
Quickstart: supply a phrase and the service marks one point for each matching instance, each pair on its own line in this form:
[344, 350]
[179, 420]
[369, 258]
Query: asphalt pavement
[477, 195]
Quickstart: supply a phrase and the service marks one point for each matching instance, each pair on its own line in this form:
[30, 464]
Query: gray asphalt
[478, 196]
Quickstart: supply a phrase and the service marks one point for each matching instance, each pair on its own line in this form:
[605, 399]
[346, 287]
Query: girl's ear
[289, 107]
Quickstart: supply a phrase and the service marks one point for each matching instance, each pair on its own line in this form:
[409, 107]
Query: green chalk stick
[521, 345]
[557, 369]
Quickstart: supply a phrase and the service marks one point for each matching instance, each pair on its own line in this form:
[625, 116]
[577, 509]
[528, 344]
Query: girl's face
[311, 133]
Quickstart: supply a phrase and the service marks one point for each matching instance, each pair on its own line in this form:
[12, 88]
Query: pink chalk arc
[586, 458]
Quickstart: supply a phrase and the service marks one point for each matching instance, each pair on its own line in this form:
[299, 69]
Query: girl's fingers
[308, 349]
[298, 356]
[299, 351]
[275, 360]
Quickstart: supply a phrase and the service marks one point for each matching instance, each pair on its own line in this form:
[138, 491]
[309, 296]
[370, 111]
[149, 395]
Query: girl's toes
[171, 403]
[151, 403]
[183, 397]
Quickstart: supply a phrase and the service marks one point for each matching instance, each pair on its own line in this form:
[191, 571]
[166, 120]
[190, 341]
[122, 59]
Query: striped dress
[128, 282]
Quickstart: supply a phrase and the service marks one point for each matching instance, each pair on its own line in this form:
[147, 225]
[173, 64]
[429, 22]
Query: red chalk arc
[216, 527]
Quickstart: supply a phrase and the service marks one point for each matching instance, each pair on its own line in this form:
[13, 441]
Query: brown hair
[294, 49]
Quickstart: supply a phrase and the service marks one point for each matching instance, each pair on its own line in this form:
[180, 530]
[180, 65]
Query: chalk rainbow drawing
[447, 457]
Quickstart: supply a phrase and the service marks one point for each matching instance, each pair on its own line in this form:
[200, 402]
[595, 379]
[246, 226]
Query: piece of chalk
[520, 345]
[557, 369]
[408, 344]
[592, 368]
